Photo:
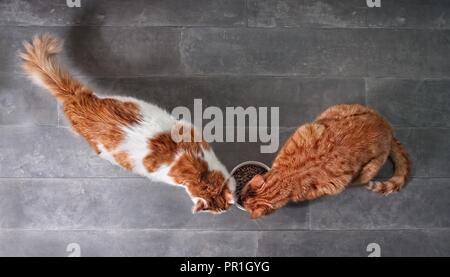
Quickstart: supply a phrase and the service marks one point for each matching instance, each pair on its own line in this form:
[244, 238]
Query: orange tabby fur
[345, 144]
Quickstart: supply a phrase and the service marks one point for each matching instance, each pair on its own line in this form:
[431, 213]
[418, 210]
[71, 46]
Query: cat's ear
[200, 205]
[256, 182]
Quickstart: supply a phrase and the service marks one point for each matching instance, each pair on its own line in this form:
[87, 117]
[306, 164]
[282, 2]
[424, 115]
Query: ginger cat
[133, 134]
[345, 144]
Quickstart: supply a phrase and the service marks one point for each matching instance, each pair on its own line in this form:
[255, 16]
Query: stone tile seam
[445, 229]
[237, 27]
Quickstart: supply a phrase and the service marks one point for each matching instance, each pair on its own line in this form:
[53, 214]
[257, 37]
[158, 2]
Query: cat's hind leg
[370, 170]
[402, 170]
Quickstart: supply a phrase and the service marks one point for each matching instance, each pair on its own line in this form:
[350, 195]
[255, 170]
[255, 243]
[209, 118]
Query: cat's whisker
[258, 224]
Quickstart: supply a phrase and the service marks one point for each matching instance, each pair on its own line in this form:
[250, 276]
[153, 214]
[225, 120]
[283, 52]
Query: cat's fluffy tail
[402, 166]
[41, 65]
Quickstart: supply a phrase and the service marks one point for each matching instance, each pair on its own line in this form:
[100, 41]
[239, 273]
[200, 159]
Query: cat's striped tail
[402, 166]
[40, 63]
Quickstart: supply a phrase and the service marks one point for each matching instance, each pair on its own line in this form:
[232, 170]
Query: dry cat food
[244, 174]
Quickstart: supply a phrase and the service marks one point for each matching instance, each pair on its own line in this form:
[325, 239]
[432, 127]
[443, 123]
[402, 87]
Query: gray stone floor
[300, 55]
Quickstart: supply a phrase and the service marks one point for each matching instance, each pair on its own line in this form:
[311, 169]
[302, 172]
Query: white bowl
[240, 165]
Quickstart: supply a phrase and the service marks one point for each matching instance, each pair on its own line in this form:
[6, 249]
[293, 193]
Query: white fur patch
[105, 154]
[162, 175]
[154, 121]
[37, 80]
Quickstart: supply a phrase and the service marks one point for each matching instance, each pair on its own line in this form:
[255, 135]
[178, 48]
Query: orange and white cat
[345, 144]
[135, 135]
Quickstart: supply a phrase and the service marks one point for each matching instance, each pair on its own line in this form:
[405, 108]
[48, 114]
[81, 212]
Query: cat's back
[346, 111]
[341, 133]
[340, 127]
[355, 126]
[351, 117]
[154, 117]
